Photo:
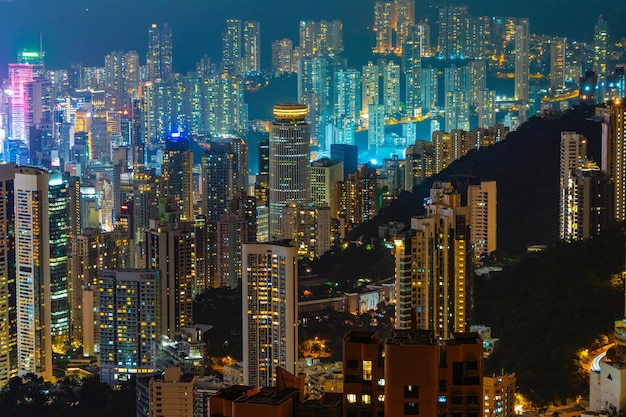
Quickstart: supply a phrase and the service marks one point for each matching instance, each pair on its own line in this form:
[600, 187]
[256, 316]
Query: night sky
[84, 31]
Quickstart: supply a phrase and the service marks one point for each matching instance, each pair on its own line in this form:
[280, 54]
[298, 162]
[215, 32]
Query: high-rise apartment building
[420, 163]
[370, 81]
[403, 22]
[482, 201]
[172, 394]
[128, 324]
[499, 395]
[177, 177]
[314, 91]
[32, 237]
[391, 87]
[558, 47]
[171, 249]
[289, 161]
[270, 311]
[282, 56]
[251, 42]
[346, 104]
[231, 47]
[585, 191]
[412, 66]
[325, 174]
[412, 373]
[159, 59]
[522, 64]
[432, 267]
[383, 18]
[600, 46]
[232, 232]
[308, 227]
[453, 32]
[8, 307]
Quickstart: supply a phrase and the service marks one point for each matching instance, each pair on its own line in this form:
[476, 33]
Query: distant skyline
[84, 31]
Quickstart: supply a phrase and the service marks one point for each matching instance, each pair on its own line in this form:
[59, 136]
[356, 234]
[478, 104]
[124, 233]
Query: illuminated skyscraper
[320, 39]
[403, 22]
[600, 46]
[282, 56]
[60, 239]
[270, 311]
[176, 176]
[453, 32]
[289, 161]
[28, 69]
[412, 62]
[231, 107]
[159, 58]
[346, 104]
[557, 62]
[314, 91]
[429, 90]
[370, 81]
[522, 63]
[252, 47]
[383, 17]
[376, 128]
[8, 322]
[171, 251]
[128, 333]
[482, 202]
[231, 47]
[432, 263]
[32, 234]
[391, 87]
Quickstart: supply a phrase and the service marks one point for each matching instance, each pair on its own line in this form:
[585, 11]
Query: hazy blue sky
[84, 31]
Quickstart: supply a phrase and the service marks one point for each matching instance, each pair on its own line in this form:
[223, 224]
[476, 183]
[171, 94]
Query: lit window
[366, 399]
[351, 398]
[367, 370]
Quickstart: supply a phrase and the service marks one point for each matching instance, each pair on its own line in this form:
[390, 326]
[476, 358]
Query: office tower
[176, 176]
[499, 392]
[370, 76]
[585, 192]
[600, 46]
[252, 47]
[391, 87]
[171, 250]
[270, 311]
[482, 201]
[412, 66]
[59, 242]
[325, 174]
[383, 15]
[128, 323]
[32, 234]
[348, 154]
[453, 32]
[159, 58]
[231, 47]
[8, 316]
[558, 47]
[289, 161]
[282, 56]
[346, 104]
[376, 130]
[522, 63]
[39, 118]
[412, 373]
[420, 163]
[28, 69]
[440, 240]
